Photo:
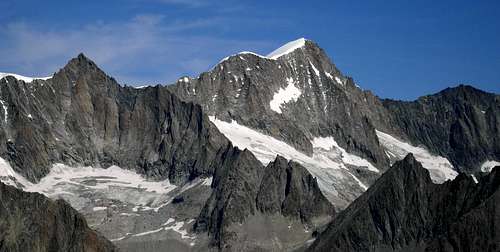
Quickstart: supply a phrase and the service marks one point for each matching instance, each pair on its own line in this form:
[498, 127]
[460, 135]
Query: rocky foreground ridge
[405, 211]
[32, 222]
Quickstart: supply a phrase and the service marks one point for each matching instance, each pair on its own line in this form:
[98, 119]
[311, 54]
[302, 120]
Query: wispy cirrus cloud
[188, 3]
[145, 49]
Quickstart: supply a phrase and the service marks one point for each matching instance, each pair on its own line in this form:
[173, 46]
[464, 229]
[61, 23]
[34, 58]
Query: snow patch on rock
[488, 165]
[6, 113]
[285, 95]
[316, 71]
[338, 80]
[207, 181]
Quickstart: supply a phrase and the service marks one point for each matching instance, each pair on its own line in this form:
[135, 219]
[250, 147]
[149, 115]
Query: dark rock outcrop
[243, 187]
[235, 186]
[405, 211]
[32, 222]
[287, 188]
[460, 123]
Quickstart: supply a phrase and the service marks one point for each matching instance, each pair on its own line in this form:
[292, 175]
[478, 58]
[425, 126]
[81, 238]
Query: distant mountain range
[271, 153]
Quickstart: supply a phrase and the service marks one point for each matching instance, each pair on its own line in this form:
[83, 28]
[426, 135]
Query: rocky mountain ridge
[82, 117]
[32, 222]
[299, 97]
[405, 211]
[224, 141]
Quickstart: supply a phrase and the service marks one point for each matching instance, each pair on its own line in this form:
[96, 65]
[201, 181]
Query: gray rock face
[287, 188]
[243, 87]
[281, 188]
[405, 211]
[235, 186]
[32, 222]
[82, 116]
[459, 123]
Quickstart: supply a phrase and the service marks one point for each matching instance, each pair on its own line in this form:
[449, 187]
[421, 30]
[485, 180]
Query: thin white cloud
[189, 3]
[145, 49]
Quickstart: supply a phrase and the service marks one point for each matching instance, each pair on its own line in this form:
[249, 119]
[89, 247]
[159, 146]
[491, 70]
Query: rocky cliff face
[293, 97]
[459, 123]
[282, 188]
[82, 116]
[32, 222]
[405, 211]
[297, 95]
[288, 189]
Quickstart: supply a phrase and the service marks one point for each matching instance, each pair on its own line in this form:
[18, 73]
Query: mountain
[405, 211]
[32, 222]
[58, 133]
[458, 123]
[296, 103]
[294, 96]
[259, 153]
[244, 210]
[82, 116]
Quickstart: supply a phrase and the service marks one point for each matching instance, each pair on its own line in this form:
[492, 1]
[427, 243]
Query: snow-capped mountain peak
[283, 50]
[23, 78]
[287, 48]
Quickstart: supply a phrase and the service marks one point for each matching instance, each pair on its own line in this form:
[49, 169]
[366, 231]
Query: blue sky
[396, 48]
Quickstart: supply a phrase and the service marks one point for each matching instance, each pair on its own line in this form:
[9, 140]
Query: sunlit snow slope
[439, 167]
[330, 164]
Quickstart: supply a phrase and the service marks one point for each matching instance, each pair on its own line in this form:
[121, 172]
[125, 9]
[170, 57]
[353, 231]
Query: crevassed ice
[328, 143]
[284, 95]
[327, 164]
[439, 167]
[112, 183]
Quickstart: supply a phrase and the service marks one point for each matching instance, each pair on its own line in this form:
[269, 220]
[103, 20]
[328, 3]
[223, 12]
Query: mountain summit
[258, 153]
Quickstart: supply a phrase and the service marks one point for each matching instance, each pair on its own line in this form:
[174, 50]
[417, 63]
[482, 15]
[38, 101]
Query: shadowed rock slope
[288, 188]
[461, 123]
[283, 188]
[405, 211]
[81, 116]
[32, 222]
